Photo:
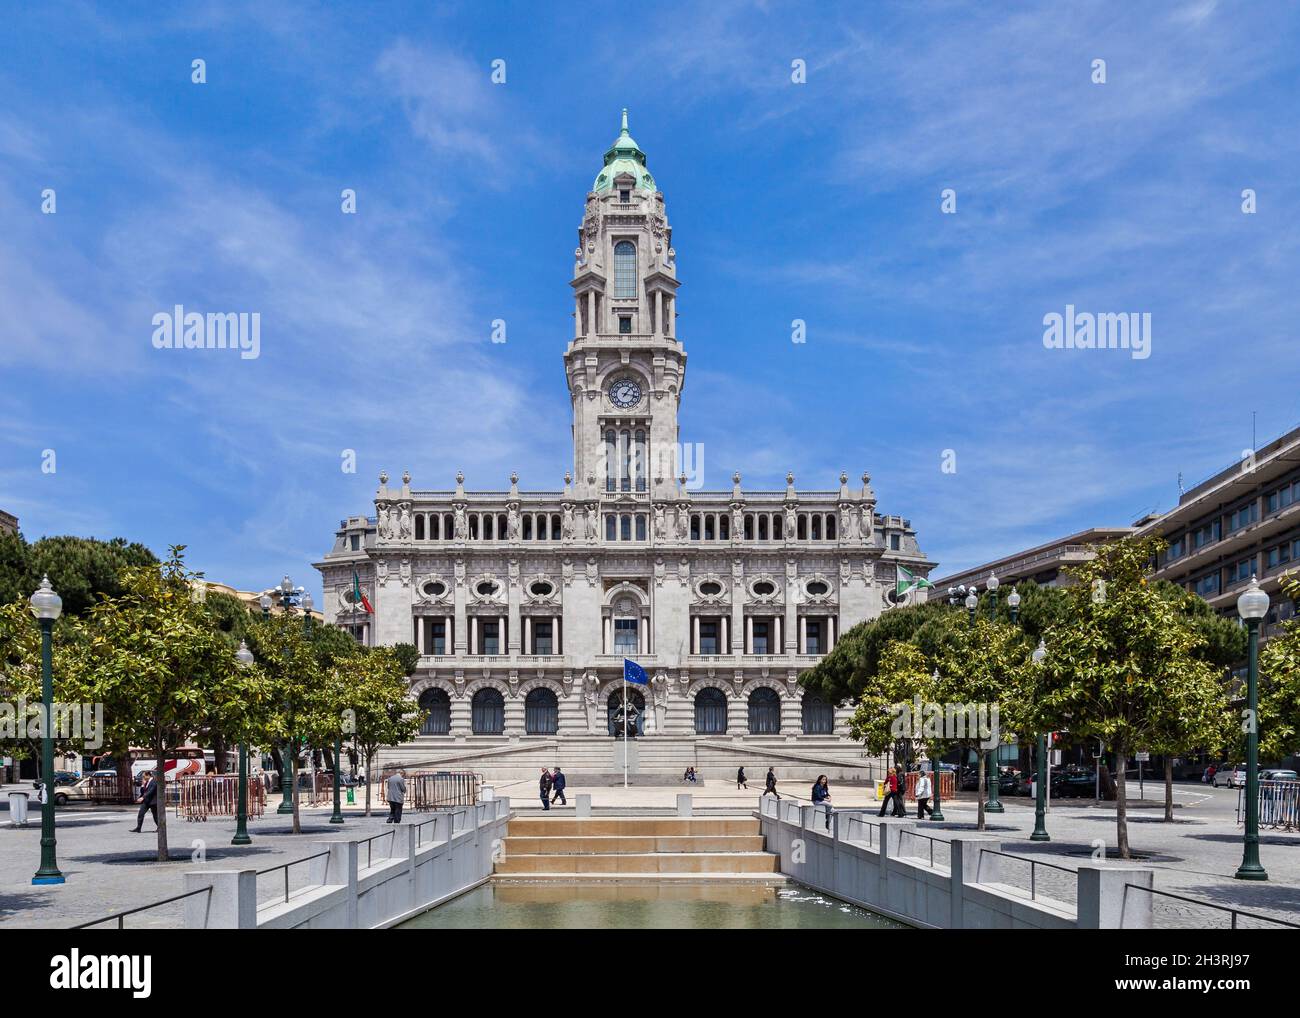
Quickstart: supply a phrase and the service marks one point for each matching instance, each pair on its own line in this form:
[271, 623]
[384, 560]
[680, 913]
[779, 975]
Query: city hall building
[524, 604]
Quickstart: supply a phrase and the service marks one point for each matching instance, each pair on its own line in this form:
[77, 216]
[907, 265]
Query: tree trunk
[1169, 788]
[160, 775]
[979, 792]
[125, 779]
[1121, 804]
[369, 755]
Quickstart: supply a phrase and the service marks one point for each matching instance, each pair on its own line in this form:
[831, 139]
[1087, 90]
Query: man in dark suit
[149, 802]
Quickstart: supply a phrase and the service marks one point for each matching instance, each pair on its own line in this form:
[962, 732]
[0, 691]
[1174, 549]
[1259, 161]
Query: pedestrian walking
[740, 778]
[892, 794]
[923, 793]
[544, 788]
[821, 796]
[148, 803]
[770, 786]
[558, 782]
[395, 791]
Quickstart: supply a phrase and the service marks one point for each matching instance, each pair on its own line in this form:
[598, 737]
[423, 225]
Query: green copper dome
[624, 156]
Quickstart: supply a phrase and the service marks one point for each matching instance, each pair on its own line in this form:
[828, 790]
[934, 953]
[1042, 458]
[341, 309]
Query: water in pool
[645, 906]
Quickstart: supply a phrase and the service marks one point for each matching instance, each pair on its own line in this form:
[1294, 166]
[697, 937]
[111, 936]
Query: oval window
[541, 588]
[710, 588]
[487, 588]
[764, 588]
[435, 588]
[817, 588]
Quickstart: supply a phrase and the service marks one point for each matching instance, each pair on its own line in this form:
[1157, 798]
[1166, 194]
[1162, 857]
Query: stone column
[577, 318]
[528, 635]
[473, 635]
[606, 635]
[591, 313]
[695, 634]
[748, 647]
[803, 635]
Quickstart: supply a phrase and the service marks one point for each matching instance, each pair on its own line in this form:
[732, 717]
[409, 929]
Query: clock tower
[625, 365]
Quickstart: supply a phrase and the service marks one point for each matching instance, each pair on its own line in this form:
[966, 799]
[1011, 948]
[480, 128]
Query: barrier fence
[217, 795]
[1279, 805]
[427, 789]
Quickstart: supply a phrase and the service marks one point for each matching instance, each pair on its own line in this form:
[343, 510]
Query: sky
[804, 152]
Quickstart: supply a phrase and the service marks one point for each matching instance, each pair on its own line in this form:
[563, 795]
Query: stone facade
[524, 604]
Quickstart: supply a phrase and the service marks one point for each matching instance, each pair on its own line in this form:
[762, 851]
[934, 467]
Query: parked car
[1278, 774]
[64, 778]
[1074, 784]
[80, 789]
[1232, 777]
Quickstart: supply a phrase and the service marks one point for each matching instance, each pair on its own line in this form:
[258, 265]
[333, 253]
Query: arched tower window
[624, 269]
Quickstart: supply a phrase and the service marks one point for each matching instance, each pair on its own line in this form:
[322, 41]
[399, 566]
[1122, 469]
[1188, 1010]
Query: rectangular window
[490, 634]
[1207, 586]
[1277, 556]
[1242, 570]
[894, 542]
[625, 196]
[708, 637]
[625, 641]
[437, 641]
[1175, 550]
[760, 639]
[813, 639]
[1244, 516]
[640, 528]
[625, 325]
[542, 642]
[356, 542]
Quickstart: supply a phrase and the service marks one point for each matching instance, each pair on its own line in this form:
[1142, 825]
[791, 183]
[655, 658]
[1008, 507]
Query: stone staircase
[652, 759]
[636, 848]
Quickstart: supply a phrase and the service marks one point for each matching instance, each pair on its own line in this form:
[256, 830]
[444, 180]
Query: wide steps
[633, 844]
[655, 827]
[639, 863]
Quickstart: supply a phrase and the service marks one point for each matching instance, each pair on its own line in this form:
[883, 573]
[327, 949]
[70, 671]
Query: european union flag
[633, 672]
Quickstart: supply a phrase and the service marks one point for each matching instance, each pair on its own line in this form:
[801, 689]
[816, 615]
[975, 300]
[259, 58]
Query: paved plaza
[110, 869]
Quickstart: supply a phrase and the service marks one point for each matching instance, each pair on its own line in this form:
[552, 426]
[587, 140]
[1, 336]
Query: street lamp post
[1040, 766]
[47, 606]
[1252, 606]
[244, 657]
[937, 775]
[994, 804]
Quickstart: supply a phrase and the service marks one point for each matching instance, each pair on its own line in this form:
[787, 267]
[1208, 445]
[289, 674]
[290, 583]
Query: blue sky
[818, 201]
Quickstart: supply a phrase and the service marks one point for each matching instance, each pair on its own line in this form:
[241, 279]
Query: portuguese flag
[358, 595]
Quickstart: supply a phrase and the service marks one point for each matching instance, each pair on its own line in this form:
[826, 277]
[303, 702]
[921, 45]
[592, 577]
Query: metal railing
[370, 843]
[434, 789]
[1233, 912]
[1034, 865]
[285, 866]
[931, 842]
[121, 916]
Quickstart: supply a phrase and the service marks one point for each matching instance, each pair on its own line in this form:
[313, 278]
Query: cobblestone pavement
[109, 869]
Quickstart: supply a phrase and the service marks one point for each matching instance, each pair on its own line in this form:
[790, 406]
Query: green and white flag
[904, 581]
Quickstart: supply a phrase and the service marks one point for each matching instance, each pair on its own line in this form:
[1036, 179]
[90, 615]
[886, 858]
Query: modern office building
[1044, 564]
[8, 523]
[1242, 522]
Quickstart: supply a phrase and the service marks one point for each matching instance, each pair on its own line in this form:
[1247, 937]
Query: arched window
[487, 712]
[764, 712]
[419, 526]
[818, 715]
[830, 528]
[625, 528]
[710, 712]
[613, 710]
[541, 712]
[801, 528]
[624, 269]
[640, 528]
[625, 458]
[436, 706]
[611, 527]
[611, 461]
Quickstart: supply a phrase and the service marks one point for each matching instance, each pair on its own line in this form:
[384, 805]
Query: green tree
[376, 704]
[161, 669]
[1123, 660]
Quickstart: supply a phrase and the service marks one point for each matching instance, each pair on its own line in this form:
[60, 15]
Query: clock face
[625, 394]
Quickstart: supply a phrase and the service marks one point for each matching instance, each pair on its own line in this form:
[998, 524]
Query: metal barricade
[217, 795]
[434, 789]
[1279, 805]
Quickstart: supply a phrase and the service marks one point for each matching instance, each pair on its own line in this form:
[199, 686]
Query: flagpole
[625, 724]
